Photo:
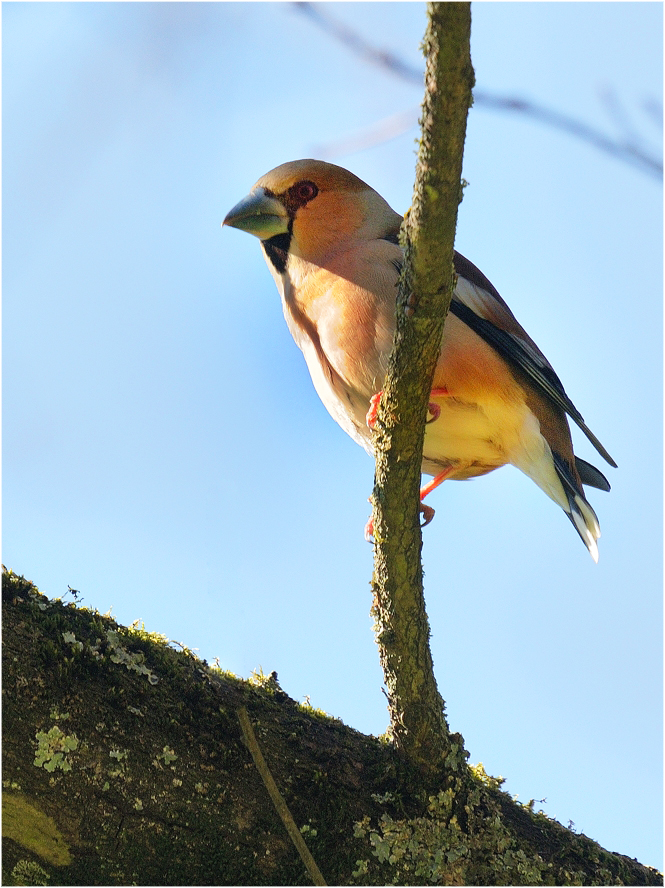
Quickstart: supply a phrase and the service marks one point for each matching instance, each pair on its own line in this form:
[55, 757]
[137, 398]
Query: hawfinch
[331, 244]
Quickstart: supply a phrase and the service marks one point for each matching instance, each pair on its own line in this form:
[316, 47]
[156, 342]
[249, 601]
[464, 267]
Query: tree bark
[124, 763]
[418, 722]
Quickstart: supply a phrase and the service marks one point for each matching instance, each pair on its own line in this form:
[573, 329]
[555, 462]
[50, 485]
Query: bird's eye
[305, 191]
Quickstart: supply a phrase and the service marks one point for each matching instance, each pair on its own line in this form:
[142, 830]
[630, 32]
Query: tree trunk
[124, 763]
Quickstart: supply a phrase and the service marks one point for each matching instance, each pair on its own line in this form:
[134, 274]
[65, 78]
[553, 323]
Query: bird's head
[310, 209]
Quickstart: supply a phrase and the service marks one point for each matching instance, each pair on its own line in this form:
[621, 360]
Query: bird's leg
[433, 408]
[434, 483]
[426, 511]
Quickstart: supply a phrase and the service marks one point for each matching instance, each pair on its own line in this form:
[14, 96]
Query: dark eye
[305, 191]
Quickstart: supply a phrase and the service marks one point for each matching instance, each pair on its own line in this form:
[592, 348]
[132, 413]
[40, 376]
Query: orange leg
[433, 408]
[434, 483]
[426, 511]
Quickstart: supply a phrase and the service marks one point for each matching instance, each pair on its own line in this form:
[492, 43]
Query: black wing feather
[518, 353]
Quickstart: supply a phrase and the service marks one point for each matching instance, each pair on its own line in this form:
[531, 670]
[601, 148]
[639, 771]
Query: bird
[331, 243]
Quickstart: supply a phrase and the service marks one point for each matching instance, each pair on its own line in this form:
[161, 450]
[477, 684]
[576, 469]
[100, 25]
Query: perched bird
[331, 244]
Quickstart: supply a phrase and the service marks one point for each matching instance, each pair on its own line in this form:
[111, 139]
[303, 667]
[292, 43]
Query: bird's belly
[472, 437]
[468, 437]
[463, 436]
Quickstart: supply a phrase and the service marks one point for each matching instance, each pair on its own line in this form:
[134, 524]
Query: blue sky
[165, 452]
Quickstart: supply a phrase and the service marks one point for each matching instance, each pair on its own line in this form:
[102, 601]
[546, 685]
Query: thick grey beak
[259, 214]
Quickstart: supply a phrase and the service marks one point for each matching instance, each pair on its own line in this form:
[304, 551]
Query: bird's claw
[370, 417]
[434, 408]
[427, 512]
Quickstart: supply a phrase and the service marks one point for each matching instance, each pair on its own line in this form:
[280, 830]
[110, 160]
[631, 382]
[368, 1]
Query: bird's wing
[477, 303]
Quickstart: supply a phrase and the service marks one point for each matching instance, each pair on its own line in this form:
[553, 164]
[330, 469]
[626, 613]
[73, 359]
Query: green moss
[163, 791]
[480, 774]
[259, 679]
[216, 669]
[460, 839]
[137, 629]
[167, 756]
[316, 712]
[33, 830]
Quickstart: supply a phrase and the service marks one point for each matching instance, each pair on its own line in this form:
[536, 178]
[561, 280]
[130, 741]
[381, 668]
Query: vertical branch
[416, 709]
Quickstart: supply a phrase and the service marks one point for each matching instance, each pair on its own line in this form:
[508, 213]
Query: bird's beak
[259, 214]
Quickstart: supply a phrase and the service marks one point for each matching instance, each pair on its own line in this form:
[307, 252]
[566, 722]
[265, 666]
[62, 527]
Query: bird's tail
[579, 511]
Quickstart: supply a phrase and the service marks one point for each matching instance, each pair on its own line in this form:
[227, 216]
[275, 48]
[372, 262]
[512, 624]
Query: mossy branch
[416, 709]
[158, 788]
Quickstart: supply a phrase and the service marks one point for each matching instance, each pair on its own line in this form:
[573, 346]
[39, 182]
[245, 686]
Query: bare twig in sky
[623, 150]
[629, 149]
[376, 134]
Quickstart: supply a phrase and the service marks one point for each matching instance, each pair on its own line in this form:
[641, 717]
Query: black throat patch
[277, 250]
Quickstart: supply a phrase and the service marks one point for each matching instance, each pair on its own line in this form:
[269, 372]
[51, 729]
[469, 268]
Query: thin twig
[623, 150]
[375, 134]
[277, 799]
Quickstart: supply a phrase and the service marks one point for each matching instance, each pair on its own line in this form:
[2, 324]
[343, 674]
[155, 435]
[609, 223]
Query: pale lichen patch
[53, 749]
[28, 872]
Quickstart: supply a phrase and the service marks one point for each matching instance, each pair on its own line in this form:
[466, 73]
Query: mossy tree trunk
[124, 763]
[417, 715]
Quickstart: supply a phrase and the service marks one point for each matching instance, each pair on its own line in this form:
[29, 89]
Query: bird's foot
[434, 408]
[427, 512]
[370, 417]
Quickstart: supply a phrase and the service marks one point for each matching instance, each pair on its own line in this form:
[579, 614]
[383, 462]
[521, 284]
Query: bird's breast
[345, 331]
[343, 340]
